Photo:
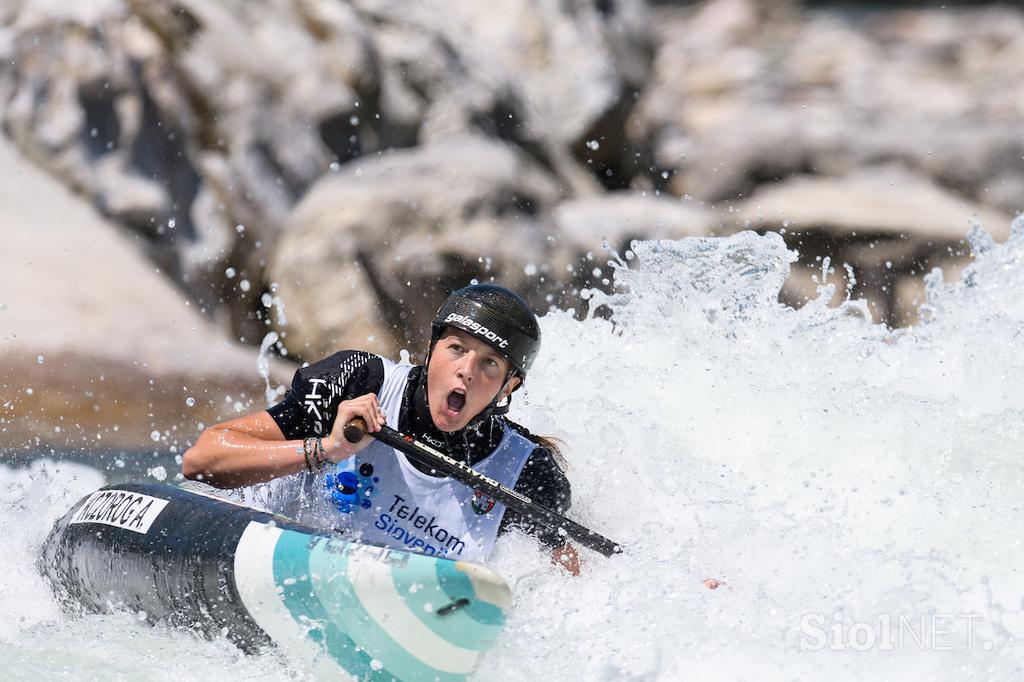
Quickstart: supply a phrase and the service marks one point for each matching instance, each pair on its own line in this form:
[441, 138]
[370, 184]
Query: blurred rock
[97, 349]
[578, 68]
[739, 155]
[727, 22]
[872, 202]
[969, 159]
[185, 120]
[745, 94]
[591, 231]
[890, 226]
[370, 252]
[200, 126]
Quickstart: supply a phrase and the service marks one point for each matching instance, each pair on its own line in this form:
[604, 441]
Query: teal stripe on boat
[337, 596]
[291, 561]
[475, 626]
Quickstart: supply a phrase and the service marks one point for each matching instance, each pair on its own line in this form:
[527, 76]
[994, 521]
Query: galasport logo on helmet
[477, 328]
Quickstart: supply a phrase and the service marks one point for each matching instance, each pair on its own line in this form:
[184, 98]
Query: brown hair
[555, 445]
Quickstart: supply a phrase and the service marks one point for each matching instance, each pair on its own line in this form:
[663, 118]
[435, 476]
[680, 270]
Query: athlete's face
[463, 377]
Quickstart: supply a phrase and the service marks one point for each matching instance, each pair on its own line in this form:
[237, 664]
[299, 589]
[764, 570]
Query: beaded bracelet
[314, 446]
[320, 454]
[305, 454]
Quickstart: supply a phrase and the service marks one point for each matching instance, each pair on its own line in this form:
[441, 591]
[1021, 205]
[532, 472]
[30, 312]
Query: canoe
[194, 560]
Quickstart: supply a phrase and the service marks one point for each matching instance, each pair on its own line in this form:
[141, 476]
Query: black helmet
[496, 316]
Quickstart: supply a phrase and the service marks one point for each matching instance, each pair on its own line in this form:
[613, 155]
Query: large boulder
[97, 348]
[199, 125]
[737, 155]
[569, 74]
[746, 93]
[878, 202]
[369, 254]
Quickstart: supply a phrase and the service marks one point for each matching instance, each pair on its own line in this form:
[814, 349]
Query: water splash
[824, 467]
[271, 393]
[40, 641]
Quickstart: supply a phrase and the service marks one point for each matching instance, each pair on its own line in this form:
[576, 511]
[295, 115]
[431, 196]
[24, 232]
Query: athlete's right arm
[253, 449]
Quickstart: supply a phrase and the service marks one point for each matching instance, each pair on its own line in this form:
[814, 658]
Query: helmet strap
[502, 408]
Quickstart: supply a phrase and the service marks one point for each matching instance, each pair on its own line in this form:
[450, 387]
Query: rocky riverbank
[97, 348]
[328, 170]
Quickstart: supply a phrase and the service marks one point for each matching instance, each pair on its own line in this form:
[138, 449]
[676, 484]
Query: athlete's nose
[464, 370]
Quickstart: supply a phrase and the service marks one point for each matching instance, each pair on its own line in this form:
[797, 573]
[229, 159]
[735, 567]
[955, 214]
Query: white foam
[39, 641]
[816, 463]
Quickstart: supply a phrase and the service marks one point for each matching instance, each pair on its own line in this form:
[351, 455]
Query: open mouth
[456, 401]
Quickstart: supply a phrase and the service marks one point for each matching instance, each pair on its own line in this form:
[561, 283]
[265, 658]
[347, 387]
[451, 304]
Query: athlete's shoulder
[357, 369]
[521, 430]
[545, 453]
[341, 360]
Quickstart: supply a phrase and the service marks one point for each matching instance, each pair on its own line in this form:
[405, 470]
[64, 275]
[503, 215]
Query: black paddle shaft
[460, 471]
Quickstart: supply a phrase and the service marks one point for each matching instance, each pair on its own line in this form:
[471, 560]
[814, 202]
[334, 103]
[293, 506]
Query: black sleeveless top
[309, 408]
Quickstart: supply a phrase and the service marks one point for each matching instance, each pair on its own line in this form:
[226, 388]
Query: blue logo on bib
[351, 490]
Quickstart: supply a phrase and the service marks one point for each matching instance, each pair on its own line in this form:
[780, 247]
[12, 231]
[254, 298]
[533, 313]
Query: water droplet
[40, 360]
[239, 228]
[155, 436]
[190, 401]
[244, 285]
[159, 473]
[230, 273]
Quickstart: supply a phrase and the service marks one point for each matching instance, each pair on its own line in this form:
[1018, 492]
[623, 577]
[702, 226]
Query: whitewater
[858, 491]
